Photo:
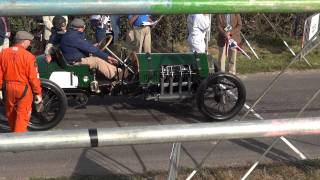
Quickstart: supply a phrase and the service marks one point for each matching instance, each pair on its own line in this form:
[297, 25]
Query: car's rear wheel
[55, 105]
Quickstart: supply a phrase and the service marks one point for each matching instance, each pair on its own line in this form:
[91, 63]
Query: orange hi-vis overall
[19, 77]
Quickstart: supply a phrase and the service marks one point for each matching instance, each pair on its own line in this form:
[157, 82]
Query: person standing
[198, 26]
[19, 79]
[142, 32]
[115, 24]
[4, 33]
[229, 27]
[102, 26]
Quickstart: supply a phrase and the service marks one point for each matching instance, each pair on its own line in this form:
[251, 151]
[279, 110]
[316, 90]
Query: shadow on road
[260, 147]
[93, 163]
[185, 111]
[179, 111]
[303, 142]
[134, 150]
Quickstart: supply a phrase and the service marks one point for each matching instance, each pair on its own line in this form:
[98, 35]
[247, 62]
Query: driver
[76, 49]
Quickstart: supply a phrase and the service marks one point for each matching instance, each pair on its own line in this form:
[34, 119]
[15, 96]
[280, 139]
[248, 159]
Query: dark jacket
[236, 24]
[4, 27]
[74, 46]
[55, 37]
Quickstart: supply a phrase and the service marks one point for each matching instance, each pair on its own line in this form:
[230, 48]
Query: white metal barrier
[156, 134]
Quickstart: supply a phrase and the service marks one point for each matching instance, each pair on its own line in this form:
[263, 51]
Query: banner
[311, 28]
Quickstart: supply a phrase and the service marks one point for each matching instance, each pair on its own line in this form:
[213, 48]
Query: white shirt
[198, 25]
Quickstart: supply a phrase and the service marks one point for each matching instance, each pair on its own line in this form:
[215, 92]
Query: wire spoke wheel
[55, 105]
[221, 96]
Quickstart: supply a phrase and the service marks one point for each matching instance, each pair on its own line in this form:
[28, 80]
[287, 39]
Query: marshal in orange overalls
[18, 70]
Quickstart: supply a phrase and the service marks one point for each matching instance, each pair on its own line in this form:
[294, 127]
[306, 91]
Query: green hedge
[173, 28]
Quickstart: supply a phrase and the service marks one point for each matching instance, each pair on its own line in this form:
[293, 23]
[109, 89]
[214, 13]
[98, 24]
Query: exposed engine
[175, 82]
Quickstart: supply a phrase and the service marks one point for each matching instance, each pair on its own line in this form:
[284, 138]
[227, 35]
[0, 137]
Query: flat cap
[23, 35]
[78, 23]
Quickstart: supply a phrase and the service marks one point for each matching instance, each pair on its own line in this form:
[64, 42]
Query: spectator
[229, 27]
[58, 30]
[47, 20]
[296, 22]
[115, 24]
[102, 26]
[76, 50]
[19, 76]
[142, 32]
[198, 25]
[4, 33]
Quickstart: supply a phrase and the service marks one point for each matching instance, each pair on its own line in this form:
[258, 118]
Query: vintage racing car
[156, 76]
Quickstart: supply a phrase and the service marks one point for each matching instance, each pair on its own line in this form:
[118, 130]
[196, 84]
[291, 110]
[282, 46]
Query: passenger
[76, 49]
[58, 30]
[19, 79]
[198, 26]
[48, 24]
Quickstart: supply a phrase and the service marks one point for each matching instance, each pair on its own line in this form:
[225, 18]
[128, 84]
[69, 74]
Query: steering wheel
[131, 56]
[105, 42]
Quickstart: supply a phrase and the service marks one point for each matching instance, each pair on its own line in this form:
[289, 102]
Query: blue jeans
[115, 23]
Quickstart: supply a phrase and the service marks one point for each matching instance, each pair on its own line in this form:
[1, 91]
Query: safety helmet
[58, 22]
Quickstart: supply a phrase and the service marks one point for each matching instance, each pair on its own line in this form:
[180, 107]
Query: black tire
[55, 106]
[222, 105]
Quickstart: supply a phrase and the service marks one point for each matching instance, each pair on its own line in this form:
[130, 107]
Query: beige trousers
[101, 65]
[142, 38]
[5, 44]
[232, 57]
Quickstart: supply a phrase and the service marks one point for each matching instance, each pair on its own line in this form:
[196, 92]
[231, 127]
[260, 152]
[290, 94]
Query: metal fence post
[284, 42]
[174, 161]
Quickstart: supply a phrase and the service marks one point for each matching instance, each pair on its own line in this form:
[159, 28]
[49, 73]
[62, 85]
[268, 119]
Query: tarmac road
[284, 101]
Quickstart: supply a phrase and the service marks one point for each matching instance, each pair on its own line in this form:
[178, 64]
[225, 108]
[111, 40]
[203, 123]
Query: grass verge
[273, 54]
[300, 170]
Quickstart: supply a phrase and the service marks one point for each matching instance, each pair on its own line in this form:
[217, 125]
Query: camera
[228, 28]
